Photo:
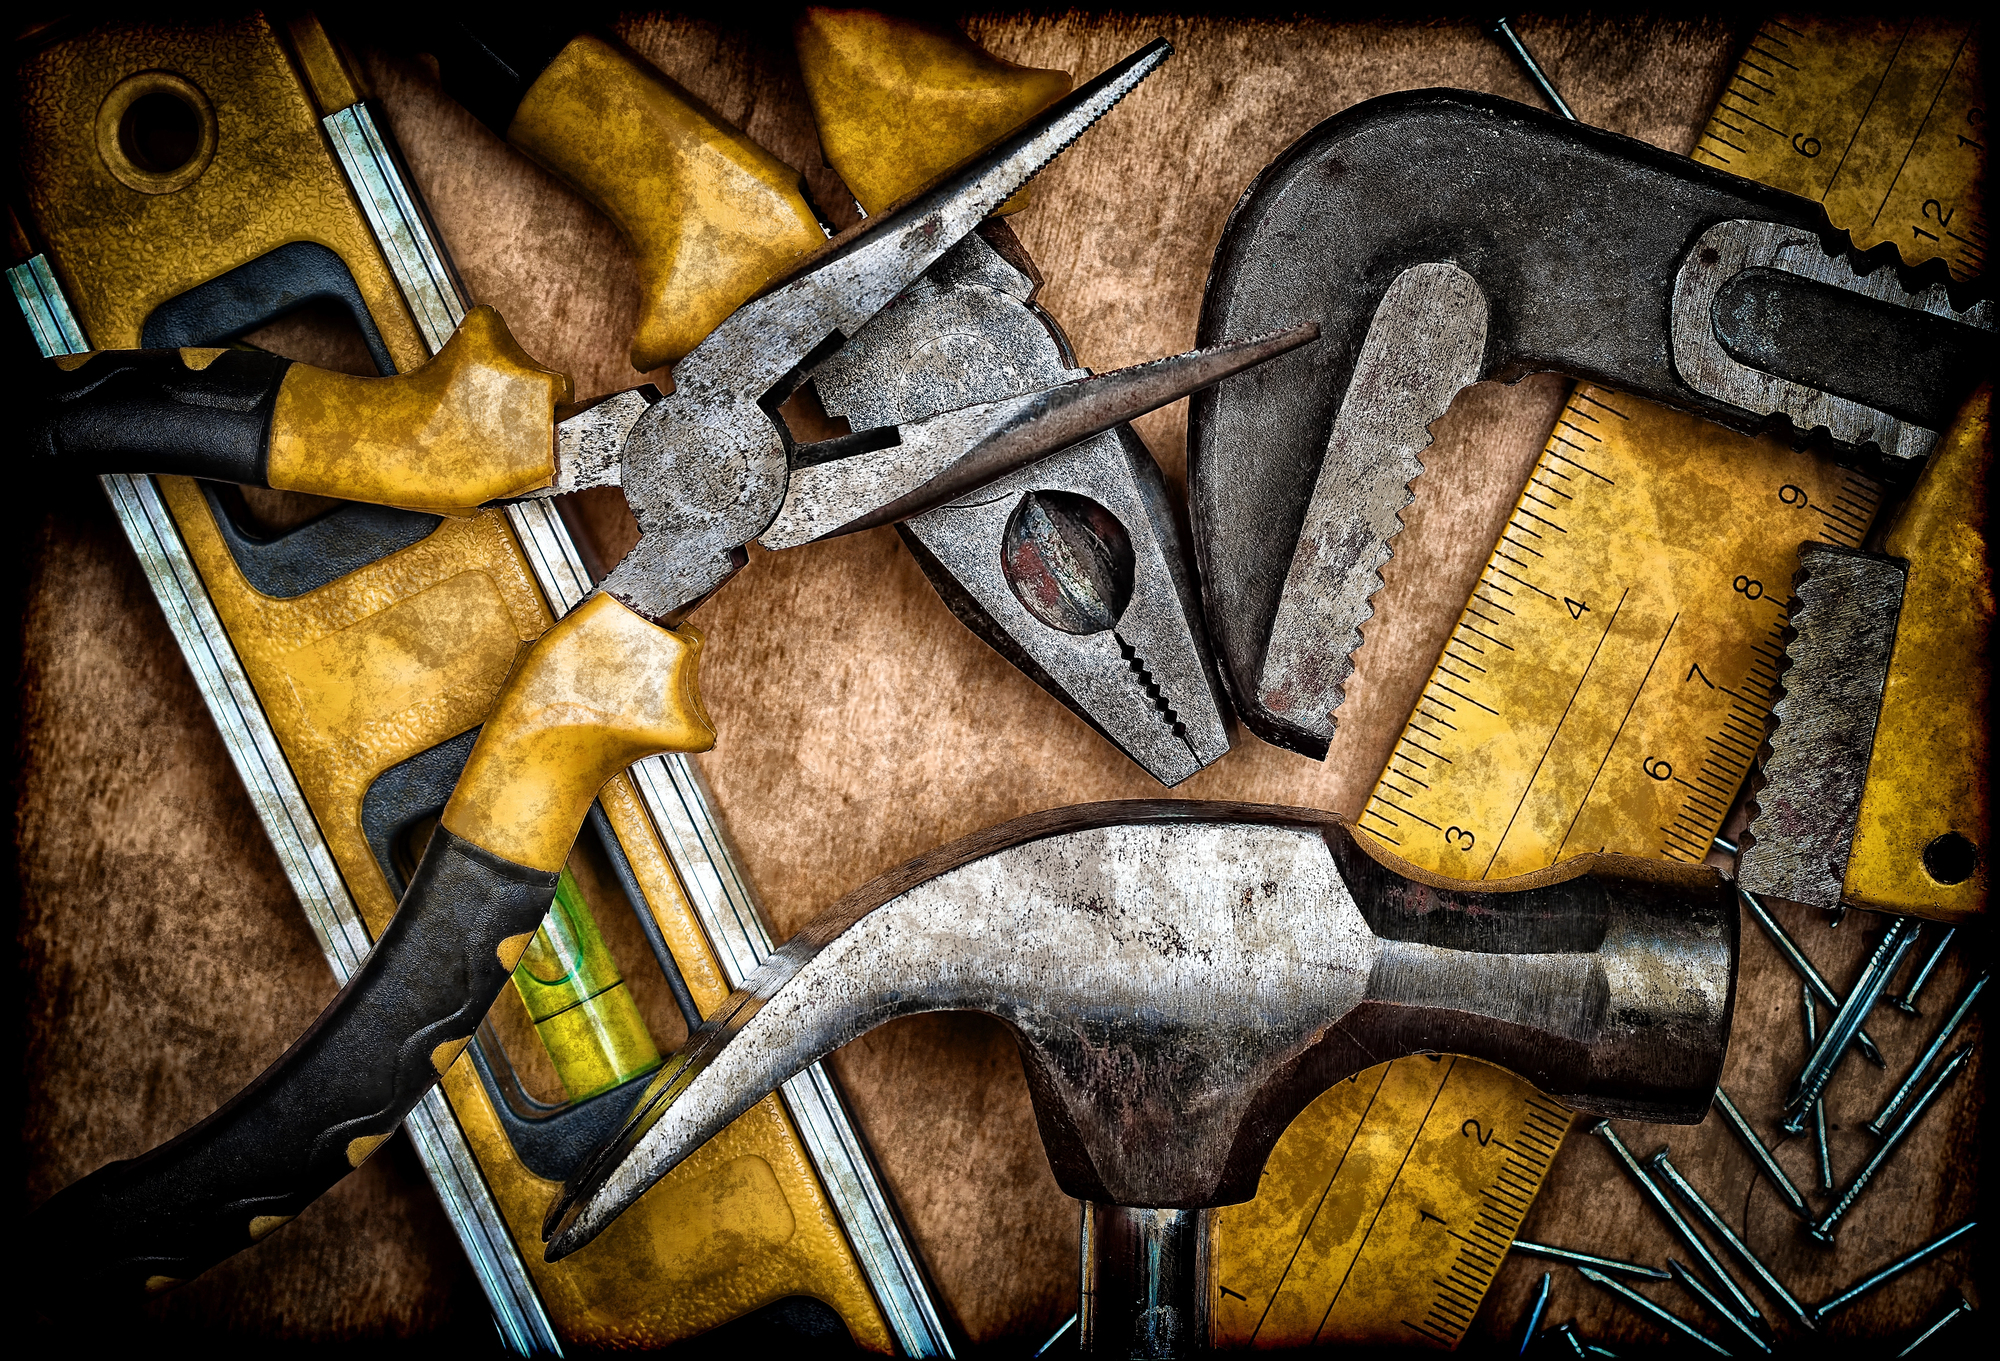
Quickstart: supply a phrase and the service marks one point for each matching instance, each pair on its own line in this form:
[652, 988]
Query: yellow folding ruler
[1386, 1209]
[1608, 682]
[1606, 689]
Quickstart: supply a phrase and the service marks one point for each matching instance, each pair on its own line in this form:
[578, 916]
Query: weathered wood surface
[165, 962]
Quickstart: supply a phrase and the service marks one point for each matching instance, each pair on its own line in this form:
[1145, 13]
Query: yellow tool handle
[711, 216]
[475, 424]
[600, 690]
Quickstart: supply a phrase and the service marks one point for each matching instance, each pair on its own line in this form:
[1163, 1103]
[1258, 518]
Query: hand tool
[1880, 1124]
[1124, 648]
[1673, 1321]
[1692, 1284]
[599, 691]
[1184, 978]
[301, 152]
[1765, 1162]
[1663, 1165]
[1823, 1229]
[1667, 281]
[1632, 1269]
[301, 644]
[1534, 1319]
[1687, 528]
[1875, 1279]
[1958, 1310]
[1906, 1001]
[1805, 970]
[1874, 793]
[1854, 1008]
[1682, 1229]
[1817, 1107]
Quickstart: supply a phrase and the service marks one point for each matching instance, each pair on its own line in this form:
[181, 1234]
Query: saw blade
[1849, 602]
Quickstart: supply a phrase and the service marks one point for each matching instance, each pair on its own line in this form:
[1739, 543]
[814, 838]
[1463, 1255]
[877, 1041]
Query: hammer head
[1441, 238]
[1185, 978]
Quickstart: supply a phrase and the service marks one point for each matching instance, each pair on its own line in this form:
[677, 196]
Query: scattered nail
[1853, 1010]
[1689, 1238]
[1936, 1047]
[1908, 1001]
[1654, 1311]
[1894, 1269]
[1803, 967]
[1055, 1336]
[1952, 1315]
[1769, 1165]
[1552, 1254]
[1823, 1231]
[1714, 1305]
[1670, 1174]
[1503, 29]
[1534, 1316]
[1819, 1106]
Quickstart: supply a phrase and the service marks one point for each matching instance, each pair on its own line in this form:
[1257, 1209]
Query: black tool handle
[137, 1227]
[154, 411]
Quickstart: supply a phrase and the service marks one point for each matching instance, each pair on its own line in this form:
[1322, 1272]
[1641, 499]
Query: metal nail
[1716, 1306]
[1819, 1106]
[1823, 1231]
[1661, 1164]
[1726, 847]
[1936, 1047]
[1595, 1350]
[1689, 1238]
[1836, 916]
[1765, 1162]
[1803, 966]
[1875, 975]
[1055, 1337]
[1908, 1001]
[1503, 29]
[1652, 1310]
[1543, 1250]
[1893, 1270]
[1535, 1312]
[1567, 1335]
[1952, 1315]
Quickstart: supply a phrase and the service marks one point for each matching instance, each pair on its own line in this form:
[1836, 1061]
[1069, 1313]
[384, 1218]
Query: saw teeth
[1822, 731]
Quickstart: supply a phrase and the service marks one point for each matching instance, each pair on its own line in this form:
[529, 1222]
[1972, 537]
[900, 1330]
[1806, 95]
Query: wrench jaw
[968, 331]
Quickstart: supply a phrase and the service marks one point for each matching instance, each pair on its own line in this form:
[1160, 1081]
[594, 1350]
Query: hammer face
[1184, 978]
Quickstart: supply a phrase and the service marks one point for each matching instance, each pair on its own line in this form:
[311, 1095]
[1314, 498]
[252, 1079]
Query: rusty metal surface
[1825, 734]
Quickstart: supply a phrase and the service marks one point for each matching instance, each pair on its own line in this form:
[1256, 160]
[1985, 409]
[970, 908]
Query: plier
[706, 470]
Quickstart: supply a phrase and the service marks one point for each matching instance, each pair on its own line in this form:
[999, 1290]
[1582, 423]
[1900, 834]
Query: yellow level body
[1606, 689]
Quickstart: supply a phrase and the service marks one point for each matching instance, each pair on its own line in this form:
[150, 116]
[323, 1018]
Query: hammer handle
[601, 689]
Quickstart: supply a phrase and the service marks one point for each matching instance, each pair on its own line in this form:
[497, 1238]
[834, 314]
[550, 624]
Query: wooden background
[164, 961]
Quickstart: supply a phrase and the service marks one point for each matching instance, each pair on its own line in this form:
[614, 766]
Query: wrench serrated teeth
[1844, 623]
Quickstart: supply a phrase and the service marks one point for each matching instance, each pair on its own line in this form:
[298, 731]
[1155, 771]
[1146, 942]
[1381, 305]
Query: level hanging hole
[1951, 858]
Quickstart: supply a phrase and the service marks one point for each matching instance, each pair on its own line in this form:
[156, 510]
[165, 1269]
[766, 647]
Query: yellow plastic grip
[899, 102]
[600, 690]
[711, 216]
[475, 424]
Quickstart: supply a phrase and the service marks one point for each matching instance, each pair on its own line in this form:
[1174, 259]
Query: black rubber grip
[146, 411]
[130, 1228]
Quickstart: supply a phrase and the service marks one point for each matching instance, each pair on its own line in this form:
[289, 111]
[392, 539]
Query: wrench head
[1441, 238]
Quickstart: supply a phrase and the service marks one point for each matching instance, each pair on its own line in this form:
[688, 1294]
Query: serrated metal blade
[1424, 346]
[1845, 618]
